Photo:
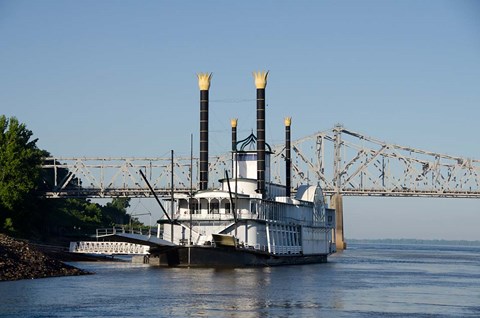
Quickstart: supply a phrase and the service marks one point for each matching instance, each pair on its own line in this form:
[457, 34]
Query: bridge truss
[340, 160]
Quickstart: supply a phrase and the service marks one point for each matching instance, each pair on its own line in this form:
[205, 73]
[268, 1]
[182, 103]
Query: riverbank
[21, 260]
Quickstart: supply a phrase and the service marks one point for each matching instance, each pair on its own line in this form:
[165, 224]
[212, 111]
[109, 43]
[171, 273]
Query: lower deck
[210, 256]
[278, 238]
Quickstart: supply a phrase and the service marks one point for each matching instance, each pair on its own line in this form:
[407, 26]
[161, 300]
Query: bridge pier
[337, 203]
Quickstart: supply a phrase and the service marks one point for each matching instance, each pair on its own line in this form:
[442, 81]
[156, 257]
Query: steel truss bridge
[340, 160]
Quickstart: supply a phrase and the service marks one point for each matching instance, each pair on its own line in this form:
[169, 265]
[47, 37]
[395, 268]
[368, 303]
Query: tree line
[23, 212]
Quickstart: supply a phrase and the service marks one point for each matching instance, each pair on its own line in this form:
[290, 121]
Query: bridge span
[343, 162]
[340, 160]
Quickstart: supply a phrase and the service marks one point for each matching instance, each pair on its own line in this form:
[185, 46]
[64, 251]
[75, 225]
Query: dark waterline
[364, 281]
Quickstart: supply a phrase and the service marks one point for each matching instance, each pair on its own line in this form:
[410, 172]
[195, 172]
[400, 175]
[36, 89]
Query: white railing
[108, 248]
[121, 230]
[286, 249]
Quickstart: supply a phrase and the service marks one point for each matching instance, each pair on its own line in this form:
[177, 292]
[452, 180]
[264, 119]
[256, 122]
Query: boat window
[228, 207]
[253, 207]
[214, 206]
[194, 207]
[246, 156]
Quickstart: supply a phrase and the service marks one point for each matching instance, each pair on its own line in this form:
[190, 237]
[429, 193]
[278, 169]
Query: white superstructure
[278, 224]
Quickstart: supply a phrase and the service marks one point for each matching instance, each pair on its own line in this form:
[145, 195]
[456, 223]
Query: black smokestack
[260, 83]
[233, 122]
[204, 85]
[288, 157]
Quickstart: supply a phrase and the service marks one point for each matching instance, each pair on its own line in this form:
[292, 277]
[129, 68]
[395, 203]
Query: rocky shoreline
[21, 260]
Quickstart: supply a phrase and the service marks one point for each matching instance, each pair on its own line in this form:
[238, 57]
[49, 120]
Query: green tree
[20, 171]
[115, 212]
[23, 211]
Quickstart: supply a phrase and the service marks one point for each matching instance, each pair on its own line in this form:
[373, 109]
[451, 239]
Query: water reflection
[255, 292]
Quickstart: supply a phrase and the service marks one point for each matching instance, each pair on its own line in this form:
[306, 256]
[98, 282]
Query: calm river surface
[364, 281]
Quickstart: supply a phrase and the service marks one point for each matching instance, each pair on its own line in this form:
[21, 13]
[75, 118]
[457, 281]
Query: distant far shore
[21, 260]
[415, 241]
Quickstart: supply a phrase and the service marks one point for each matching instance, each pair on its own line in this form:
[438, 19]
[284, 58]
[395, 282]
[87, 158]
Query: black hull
[207, 256]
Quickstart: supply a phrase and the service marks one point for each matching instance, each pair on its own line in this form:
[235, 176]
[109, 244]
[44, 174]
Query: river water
[366, 280]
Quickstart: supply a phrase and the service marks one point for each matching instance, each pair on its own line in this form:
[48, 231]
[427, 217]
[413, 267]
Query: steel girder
[346, 162]
[340, 160]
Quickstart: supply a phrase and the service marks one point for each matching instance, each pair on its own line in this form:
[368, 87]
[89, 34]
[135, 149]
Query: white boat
[247, 220]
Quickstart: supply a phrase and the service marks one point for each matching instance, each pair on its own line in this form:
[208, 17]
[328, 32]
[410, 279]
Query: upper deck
[220, 205]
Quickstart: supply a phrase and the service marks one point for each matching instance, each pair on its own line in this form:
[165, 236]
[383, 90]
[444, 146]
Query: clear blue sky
[117, 78]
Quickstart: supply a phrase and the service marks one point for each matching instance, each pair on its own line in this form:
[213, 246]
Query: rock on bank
[19, 260]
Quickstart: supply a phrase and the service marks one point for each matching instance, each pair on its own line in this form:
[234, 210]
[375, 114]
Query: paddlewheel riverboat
[248, 220]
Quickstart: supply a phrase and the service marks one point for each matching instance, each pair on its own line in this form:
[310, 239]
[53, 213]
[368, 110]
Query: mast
[233, 205]
[190, 198]
[191, 190]
[172, 208]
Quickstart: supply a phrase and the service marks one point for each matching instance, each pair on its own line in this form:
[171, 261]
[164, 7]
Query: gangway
[120, 242]
[108, 248]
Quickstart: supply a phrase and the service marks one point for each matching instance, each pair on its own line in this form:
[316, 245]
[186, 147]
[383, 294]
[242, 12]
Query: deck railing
[121, 230]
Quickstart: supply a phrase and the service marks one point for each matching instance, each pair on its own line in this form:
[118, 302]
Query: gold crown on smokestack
[288, 121]
[204, 81]
[233, 122]
[260, 79]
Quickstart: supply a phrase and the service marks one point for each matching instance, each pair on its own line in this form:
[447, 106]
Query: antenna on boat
[191, 190]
